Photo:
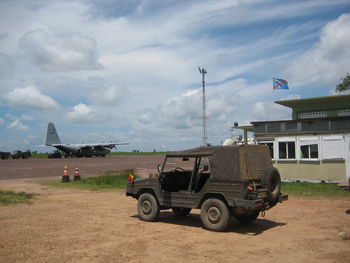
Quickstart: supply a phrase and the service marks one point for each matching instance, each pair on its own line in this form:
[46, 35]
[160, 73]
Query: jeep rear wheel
[181, 211]
[215, 215]
[147, 207]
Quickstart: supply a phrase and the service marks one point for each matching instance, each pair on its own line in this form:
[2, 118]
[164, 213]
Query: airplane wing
[101, 145]
[60, 146]
[110, 145]
[57, 145]
[89, 145]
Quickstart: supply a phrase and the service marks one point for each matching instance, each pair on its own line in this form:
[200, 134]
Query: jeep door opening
[220, 180]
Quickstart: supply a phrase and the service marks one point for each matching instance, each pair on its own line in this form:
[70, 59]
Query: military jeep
[220, 180]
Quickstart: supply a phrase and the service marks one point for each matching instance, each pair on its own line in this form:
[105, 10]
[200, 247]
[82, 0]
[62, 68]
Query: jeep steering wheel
[180, 169]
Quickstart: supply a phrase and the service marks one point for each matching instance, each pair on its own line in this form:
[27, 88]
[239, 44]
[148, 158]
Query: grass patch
[314, 190]
[40, 155]
[119, 180]
[109, 180]
[10, 197]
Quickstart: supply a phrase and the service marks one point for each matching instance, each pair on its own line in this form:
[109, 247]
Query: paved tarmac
[42, 167]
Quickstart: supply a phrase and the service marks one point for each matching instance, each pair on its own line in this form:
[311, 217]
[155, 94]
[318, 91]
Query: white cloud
[30, 97]
[26, 117]
[110, 95]
[17, 125]
[70, 51]
[327, 61]
[101, 93]
[23, 117]
[269, 111]
[84, 114]
[291, 97]
[2, 121]
[5, 66]
[179, 119]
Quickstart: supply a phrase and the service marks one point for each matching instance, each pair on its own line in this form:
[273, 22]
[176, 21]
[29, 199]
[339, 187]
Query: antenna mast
[205, 137]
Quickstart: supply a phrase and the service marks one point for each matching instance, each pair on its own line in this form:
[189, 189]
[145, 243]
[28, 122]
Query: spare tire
[271, 180]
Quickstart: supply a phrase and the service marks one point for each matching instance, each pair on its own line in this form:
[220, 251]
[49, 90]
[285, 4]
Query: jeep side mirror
[159, 168]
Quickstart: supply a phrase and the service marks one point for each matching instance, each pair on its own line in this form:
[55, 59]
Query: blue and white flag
[280, 84]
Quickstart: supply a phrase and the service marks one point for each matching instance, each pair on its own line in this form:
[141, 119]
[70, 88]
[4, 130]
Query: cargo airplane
[78, 150]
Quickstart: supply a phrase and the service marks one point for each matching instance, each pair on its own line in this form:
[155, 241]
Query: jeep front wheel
[181, 211]
[147, 207]
[215, 215]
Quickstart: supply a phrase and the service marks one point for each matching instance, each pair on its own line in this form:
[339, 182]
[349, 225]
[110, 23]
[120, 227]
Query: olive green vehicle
[220, 180]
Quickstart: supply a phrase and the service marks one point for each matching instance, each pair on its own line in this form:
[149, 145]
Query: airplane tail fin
[52, 136]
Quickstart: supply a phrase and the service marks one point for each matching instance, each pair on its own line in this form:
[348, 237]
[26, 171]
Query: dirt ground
[70, 225]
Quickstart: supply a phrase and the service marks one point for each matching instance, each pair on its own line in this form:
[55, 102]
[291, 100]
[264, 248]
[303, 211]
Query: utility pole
[205, 137]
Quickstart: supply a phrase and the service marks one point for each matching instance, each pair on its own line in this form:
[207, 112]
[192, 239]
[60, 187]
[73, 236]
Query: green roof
[338, 101]
[323, 106]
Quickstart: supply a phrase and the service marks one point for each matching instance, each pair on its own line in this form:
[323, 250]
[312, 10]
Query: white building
[315, 144]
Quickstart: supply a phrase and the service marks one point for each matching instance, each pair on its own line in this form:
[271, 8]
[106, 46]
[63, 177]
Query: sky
[127, 71]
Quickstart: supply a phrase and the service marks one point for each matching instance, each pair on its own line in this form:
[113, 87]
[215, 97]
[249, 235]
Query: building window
[333, 147]
[312, 115]
[286, 150]
[309, 151]
[343, 113]
[270, 144]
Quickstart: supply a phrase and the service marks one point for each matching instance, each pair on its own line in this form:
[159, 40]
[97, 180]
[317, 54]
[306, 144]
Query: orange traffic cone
[65, 177]
[76, 174]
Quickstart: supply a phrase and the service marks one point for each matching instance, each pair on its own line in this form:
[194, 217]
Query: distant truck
[221, 181]
[23, 155]
[55, 155]
[5, 155]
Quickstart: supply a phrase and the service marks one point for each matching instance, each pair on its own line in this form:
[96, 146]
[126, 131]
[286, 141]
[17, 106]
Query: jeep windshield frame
[171, 163]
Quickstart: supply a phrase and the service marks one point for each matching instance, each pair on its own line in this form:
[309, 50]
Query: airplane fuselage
[82, 151]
